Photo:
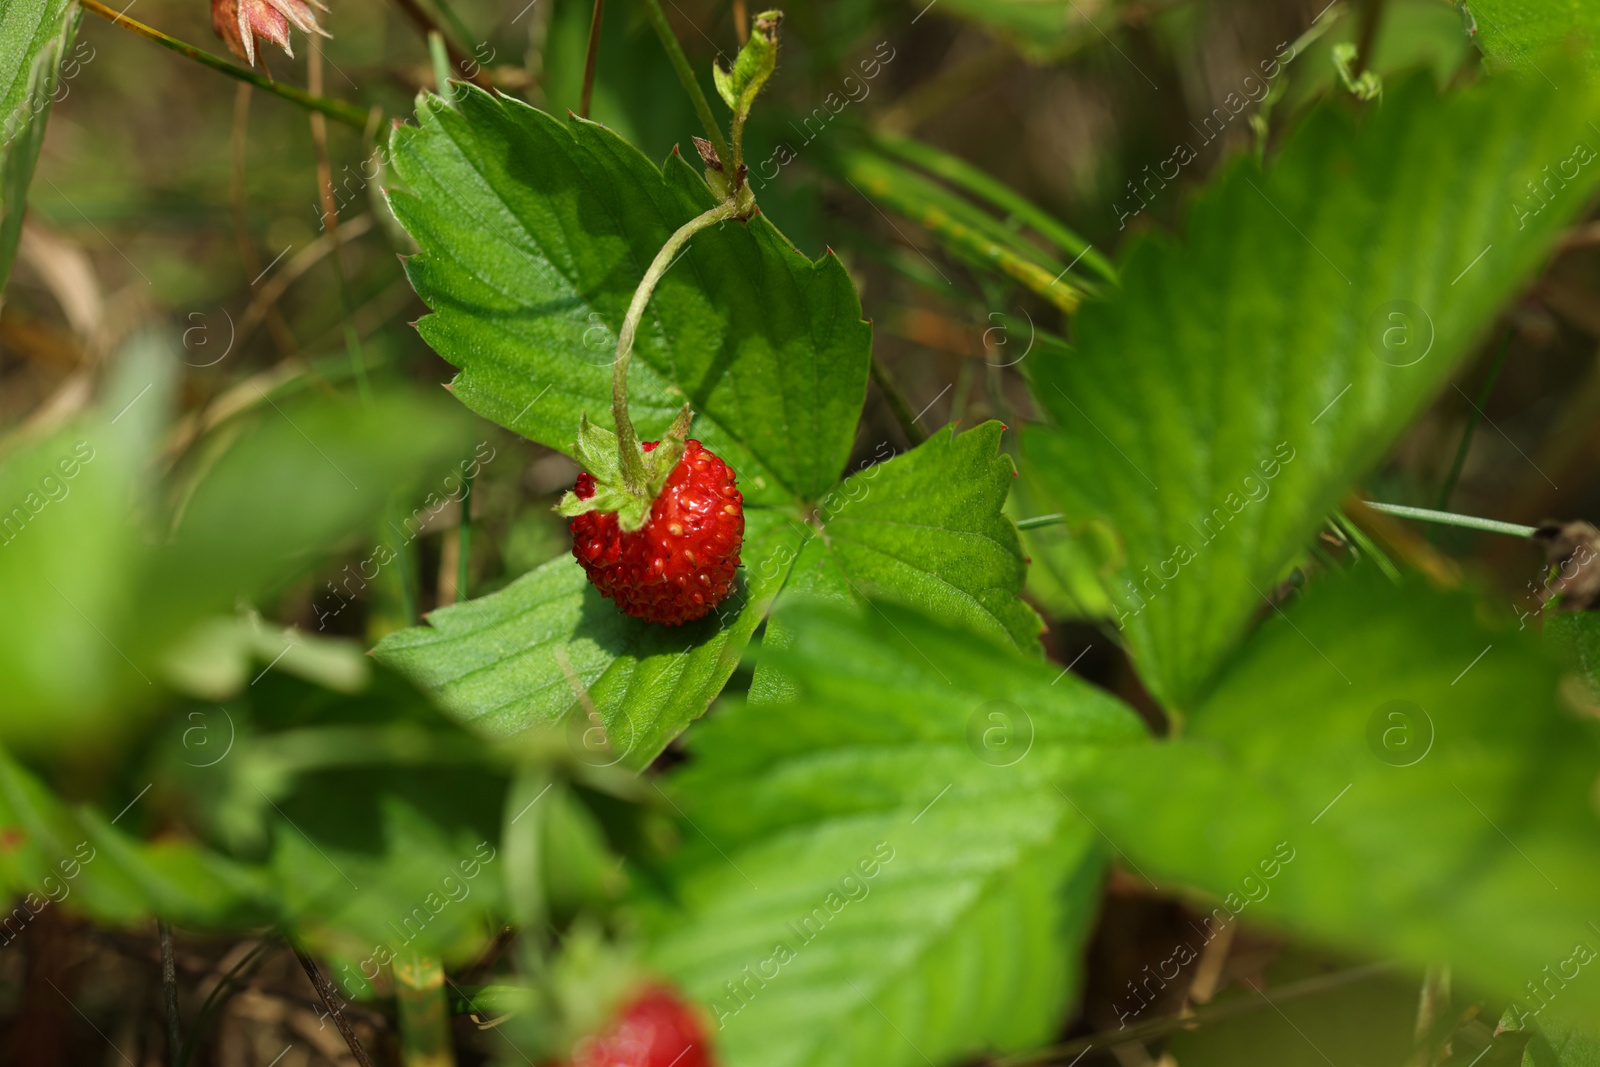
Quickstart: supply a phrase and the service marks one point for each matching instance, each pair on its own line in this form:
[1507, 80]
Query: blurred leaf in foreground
[102, 578]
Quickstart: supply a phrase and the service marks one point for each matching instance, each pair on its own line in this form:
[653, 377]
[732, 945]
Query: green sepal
[755, 63]
[596, 450]
[658, 463]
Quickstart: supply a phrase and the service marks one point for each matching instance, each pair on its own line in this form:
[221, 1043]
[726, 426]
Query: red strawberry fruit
[655, 1028]
[680, 563]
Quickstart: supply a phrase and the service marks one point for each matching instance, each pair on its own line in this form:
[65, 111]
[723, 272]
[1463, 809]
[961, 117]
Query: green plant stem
[424, 1012]
[1445, 518]
[425, 25]
[592, 57]
[680, 64]
[449, 15]
[439, 53]
[330, 218]
[633, 473]
[334, 109]
[896, 398]
[1473, 419]
[464, 538]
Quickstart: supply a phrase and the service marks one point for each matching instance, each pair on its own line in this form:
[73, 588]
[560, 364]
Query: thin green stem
[1449, 485]
[449, 15]
[330, 218]
[737, 149]
[592, 57]
[898, 405]
[424, 1012]
[633, 473]
[426, 24]
[1445, 518]
[686, 78]
[439, 53]
[464, 538]
[334, 109]
[1363, 546]
[409, 580]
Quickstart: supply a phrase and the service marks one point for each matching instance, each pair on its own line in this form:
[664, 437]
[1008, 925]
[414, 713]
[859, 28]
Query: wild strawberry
[680, 563]
[655, 1028]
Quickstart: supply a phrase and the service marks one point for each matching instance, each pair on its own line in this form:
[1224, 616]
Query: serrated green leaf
[926, 529]
[1524, 33]
[1214, 413]
[1384, 772]
[883, 870]
[34, 39]
[534, 237]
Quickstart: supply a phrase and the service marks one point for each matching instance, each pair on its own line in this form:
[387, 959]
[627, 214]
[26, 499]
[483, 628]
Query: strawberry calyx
[627, 488]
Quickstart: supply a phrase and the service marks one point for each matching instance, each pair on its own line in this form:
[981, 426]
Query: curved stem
[334, 109]
[633, 473]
